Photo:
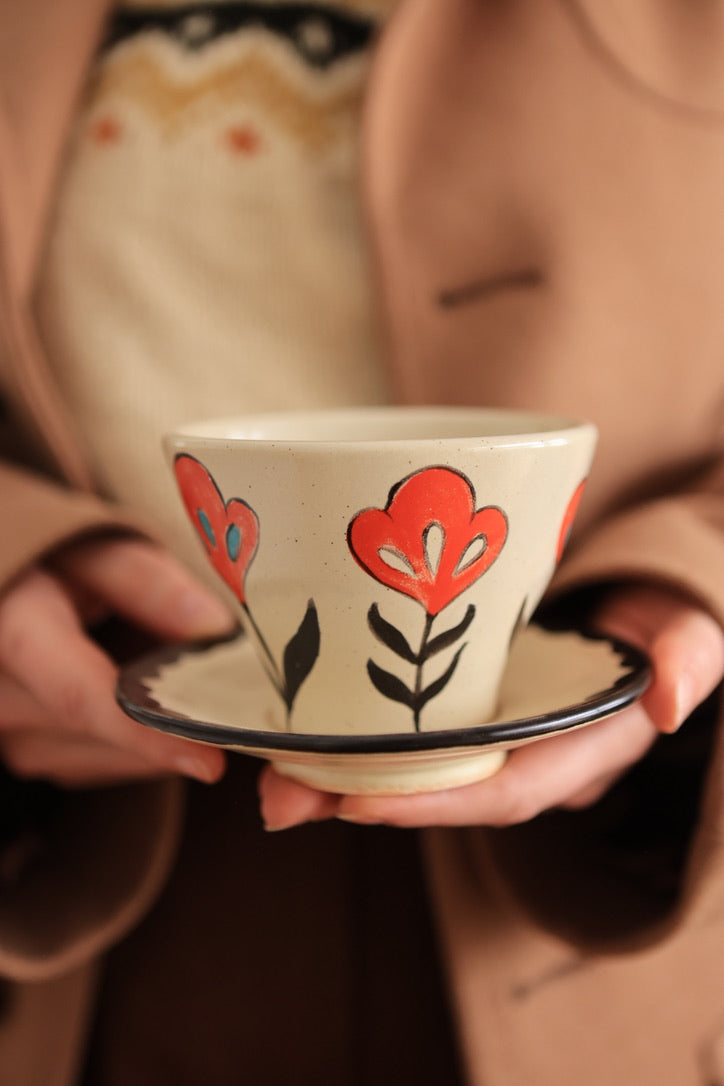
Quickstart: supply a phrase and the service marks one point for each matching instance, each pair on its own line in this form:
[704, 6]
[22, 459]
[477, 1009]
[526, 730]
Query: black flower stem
[429, 619]
[271, 665]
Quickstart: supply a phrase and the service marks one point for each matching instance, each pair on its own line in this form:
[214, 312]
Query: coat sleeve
[636, 865]
[77, 869]
[676, 540]
[40, 515]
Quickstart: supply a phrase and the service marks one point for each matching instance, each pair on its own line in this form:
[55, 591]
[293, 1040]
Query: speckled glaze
[383, 559]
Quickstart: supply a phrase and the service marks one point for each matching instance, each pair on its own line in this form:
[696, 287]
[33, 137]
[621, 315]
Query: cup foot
[376, 775]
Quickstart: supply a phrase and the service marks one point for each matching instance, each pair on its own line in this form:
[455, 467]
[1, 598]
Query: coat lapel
[45, 50]
[44, 53]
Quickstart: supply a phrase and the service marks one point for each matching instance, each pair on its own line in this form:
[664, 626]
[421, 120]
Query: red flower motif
[229, 531]
[569, 517]
[429, 542]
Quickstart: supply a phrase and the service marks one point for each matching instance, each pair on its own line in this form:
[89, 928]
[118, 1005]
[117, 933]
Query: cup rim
[464, 425]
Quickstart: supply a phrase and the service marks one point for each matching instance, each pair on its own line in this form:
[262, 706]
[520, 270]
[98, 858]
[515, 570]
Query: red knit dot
[242, 140]
[105, 130]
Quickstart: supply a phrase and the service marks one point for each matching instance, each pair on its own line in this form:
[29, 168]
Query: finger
[89, 607]
[535, 778]
[591, 793]
[685, 645]
[31, 748]
[147, 585]
[19, 709]
[42, 755]
[43, 647]
[286, 802]
[688, 658]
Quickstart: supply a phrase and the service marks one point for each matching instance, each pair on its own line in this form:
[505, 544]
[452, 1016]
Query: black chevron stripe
[321, 34]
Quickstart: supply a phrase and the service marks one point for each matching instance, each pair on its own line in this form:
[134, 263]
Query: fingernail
[205, 615]
[197, 769]
[684, 700]
[276, 827]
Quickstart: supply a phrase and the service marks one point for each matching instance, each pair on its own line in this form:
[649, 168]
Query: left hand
[686, 648]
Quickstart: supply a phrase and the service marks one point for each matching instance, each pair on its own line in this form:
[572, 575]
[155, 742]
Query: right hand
[573, 769]
[59, 720]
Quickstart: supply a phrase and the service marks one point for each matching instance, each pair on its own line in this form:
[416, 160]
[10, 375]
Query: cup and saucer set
[385, 563]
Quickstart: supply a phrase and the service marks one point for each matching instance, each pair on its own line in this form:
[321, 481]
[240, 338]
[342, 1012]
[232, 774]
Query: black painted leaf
[449, 637]
[434, 688]
[389, 685]
[389, 635]
[300, 654]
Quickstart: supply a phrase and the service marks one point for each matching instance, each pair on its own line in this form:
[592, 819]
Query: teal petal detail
[233, 541]
[205, 524]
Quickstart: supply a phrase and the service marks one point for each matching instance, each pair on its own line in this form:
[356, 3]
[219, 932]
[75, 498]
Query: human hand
[59, 720]
[572, 770]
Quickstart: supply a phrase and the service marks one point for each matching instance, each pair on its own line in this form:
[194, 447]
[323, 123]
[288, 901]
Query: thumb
[147, 585]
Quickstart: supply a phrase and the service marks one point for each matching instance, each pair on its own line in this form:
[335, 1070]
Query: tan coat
[544, 182]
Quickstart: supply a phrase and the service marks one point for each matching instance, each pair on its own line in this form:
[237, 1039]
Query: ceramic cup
[382, 559]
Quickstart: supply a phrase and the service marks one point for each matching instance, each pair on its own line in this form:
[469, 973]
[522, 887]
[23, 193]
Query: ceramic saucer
[554, 681]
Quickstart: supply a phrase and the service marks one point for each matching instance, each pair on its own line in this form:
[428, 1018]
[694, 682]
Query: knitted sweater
[205, 256]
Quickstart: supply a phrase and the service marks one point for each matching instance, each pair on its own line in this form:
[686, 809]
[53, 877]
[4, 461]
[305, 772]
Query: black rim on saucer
[132, 694]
